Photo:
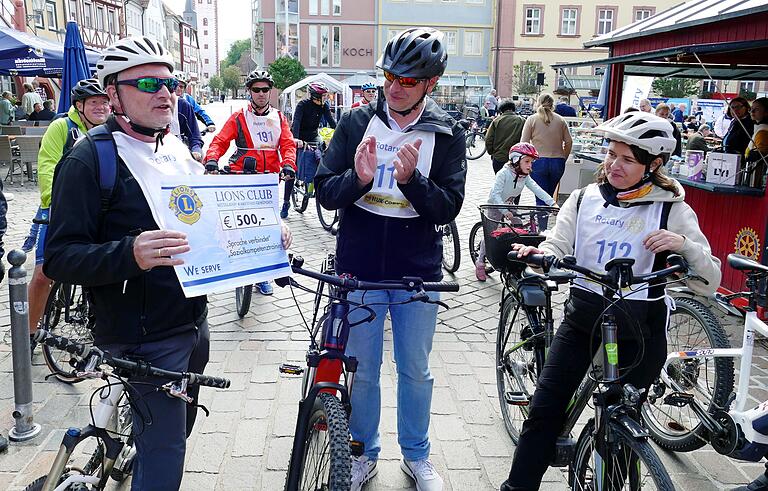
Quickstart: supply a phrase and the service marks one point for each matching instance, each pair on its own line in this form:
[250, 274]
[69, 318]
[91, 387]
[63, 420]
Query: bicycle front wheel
[692, 326]
[243, 296]
[517, 369]
[327, 217]
[451, 247]
[67, 313]
[630, 463]
[475, 146]
[300, 196]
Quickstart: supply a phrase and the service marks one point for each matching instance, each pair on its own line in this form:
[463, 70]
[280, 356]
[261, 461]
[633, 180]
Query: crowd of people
[117, 250]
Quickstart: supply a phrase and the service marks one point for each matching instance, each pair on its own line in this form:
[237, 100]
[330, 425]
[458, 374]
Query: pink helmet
[520, 149]
[317, 90]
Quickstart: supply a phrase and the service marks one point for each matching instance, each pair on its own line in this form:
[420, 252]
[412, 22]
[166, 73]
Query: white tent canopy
[343, 91]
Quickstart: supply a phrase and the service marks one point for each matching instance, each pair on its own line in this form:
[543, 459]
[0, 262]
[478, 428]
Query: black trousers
[567, 363]
[497, 165]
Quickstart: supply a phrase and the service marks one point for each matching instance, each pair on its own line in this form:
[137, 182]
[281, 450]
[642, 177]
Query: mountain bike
[612, 450]
[110, 424]
[720, 418]
[475, 140]
[322, 449]
[451, 246]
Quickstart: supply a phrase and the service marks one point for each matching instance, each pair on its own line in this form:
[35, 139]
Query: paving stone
[240, 473]
[449, 427]
[250, 438]
[208, 453]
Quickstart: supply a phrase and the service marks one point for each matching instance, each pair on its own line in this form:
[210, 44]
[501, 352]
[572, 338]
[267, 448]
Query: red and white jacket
[265, 137]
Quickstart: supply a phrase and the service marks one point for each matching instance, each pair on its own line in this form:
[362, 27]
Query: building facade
[208, 37]
[101, 22]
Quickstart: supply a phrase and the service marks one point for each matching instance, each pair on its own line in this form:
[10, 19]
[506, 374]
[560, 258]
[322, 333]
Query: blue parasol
[75, 65]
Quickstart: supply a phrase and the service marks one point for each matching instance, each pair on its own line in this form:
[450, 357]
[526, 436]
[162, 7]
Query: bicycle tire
[331, 466]
[75, 325]
[475, 146]
[93, 465]
[450, 234]
[243, 295]
[516, 370]
[678, 428]
[656, 476]
[475, 236]
[300, 196]
[325, 222]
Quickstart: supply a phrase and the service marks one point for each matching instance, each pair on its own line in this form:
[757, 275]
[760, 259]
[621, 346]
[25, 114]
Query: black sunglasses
[151, 84]
[263, 90]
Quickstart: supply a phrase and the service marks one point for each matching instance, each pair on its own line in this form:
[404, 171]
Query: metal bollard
[25, 428]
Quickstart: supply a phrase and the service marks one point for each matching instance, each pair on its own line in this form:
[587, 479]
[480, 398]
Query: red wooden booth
[702, 39]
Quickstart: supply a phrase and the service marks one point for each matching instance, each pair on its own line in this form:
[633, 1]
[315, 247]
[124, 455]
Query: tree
[524, 77]
[286, 71]
[230, 79]
[216, 83]
[675, 87]
[236, 51]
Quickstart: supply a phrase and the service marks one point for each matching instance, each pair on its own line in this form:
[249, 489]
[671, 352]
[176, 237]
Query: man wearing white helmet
[116, 249]
[631, 188]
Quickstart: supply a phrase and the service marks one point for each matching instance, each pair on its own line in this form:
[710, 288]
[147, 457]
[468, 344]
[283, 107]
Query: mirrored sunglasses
[406, 82]
[151, 84]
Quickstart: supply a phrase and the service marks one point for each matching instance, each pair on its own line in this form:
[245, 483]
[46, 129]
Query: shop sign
[722, 168]
[357, 52]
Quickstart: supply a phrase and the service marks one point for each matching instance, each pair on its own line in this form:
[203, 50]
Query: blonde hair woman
[548, 132]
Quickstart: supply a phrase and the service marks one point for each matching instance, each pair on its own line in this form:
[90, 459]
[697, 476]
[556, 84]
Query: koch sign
[357, 52]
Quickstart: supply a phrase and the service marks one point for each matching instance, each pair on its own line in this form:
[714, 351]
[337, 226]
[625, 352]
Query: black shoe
[3, 444]
[759, 484]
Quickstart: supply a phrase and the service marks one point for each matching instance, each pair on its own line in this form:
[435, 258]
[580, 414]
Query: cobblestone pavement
[245, 442]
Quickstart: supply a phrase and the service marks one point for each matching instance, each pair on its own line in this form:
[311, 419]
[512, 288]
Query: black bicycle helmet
[84, 89]
[418, 52]
[259, 76]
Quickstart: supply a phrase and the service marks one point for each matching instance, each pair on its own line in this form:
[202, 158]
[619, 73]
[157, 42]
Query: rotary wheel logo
[747, 243]
[185, 204]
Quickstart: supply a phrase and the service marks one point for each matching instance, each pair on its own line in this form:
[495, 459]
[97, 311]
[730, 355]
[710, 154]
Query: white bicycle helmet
[130, 52]
[647, 131]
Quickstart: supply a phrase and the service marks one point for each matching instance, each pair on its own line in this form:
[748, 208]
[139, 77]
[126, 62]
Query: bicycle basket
[504, 225]
[307, 163]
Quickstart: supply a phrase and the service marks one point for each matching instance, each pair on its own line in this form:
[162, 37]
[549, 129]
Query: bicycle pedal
[517, 399]
[678, 399]
[290, 369]
[356, 448]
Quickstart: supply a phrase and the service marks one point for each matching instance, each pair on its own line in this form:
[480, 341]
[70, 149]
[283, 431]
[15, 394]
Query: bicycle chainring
[726, 442]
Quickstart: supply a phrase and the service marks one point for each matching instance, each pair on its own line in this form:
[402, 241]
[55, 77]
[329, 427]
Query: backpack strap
[73, 133]
[105, 149]
[580, 198]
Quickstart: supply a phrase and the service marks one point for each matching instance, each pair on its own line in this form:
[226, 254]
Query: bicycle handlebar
[135, 368]
[613, 278]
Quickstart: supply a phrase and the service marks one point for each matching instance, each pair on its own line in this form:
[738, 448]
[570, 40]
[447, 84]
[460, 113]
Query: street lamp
[464, 75]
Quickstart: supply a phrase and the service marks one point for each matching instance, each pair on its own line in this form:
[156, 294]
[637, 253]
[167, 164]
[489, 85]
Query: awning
[358, 79]
[580, 82]
[743, 60]
[23, 54]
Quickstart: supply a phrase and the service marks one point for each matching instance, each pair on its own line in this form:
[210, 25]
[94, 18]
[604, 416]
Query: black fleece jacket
[88, 247]
[374, 247]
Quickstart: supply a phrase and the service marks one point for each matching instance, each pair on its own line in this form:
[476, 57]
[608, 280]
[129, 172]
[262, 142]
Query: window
[709, 86]
[205, 46]
[205, 32]
[206, 62]
[569, 21]
[100, 18]
[451, 42]
[111, 20]
[50, 14]
[88, 14]
[336, 7]
[312, 45]
[313, 7]
[39, 17]
[533, 20]
[747, 86]
[473, 43]
[336, 46]
[643, 13]
[563, 74]
[476, 2]
[605, 19]
[73, 10]
[325, 7]
[205, 22]
[324, 45]
[448, 1]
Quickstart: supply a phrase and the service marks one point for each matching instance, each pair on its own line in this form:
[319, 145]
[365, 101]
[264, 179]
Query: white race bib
[604, 233]
[149, 167]
[265, 130]
[385, 198]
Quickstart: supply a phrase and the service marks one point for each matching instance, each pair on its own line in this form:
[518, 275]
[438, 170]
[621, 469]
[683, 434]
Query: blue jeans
[547, 172]
[413, 327]
[159, 421]
[31, 239]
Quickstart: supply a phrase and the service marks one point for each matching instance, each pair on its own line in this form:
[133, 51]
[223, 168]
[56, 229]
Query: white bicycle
[689, 407]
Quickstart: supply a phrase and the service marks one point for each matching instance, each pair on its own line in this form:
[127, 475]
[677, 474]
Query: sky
[234, 21]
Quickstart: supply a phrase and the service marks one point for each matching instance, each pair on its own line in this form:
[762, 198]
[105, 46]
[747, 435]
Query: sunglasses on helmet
[263, 90]
[406, 82]
[151, 84]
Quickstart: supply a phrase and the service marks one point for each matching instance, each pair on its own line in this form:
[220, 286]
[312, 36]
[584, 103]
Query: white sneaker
[424, 473]
[363, 470]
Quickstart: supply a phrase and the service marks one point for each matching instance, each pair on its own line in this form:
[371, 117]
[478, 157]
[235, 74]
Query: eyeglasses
[405, 82]
[370, 91]
[151, 85]
[263, 90]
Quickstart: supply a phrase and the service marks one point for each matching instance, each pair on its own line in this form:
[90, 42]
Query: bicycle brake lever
[422, 296]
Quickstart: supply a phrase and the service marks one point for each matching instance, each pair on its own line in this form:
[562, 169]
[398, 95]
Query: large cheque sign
[232, 227]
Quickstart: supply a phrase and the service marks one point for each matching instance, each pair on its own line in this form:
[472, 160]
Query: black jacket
[306, 119]
[373, 247]
[92, 248]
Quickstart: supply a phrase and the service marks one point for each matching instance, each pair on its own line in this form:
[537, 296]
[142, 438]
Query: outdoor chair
[9, 155]
[29, 147]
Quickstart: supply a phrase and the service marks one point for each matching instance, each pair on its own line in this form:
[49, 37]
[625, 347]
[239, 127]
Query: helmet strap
[411, 109]
[156, 133]
[261, 111]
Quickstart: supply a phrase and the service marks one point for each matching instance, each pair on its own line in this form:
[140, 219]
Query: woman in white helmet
[632, 210]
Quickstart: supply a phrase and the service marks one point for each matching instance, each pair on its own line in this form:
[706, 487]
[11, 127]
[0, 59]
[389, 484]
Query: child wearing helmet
[632, 210]
[510, 181]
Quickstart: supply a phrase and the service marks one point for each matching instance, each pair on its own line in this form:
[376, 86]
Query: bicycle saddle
[743, 263]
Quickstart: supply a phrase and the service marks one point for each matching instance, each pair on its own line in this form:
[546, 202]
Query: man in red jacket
[261, 132]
